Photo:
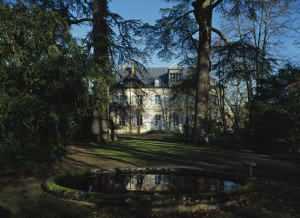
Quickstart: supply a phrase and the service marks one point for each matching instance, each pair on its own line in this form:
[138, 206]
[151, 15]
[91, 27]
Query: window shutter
[180, 120]
[170, 99]
[134, 180]
[162, 100]
[117, 118]
[144, 120]
[144, 99]
[189, 99]
[133, 99]
[152, 179]
[121, 99]
[153, 99]
[134, 117]
[162, 122]
[126, 120]
[153, 122]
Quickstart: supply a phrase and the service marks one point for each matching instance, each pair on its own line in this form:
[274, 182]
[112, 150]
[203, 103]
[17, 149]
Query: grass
[44, 205]
[21, 195]
[147, 152]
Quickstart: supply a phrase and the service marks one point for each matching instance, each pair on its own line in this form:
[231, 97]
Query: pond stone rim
[210, 200]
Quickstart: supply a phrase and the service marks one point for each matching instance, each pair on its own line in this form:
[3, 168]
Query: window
[157, 119]
[122, 99]
[175, 119]
[139, 120]
[158, 179]
[214, 100]
[121, 120]
[139, 179]
[140, 99]
[174, 77]
[156, 82]
[157, 99]
[175, 100]
[190, 99]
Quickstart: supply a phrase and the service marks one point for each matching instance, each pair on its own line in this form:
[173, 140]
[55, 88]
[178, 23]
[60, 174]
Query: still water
[150, 184]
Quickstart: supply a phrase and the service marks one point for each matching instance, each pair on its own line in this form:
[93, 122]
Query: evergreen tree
[277, 110]
[44, 97]
[115, 41]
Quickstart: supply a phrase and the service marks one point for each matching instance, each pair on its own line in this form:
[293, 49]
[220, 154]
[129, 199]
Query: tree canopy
[277, 110]
[43, 85]
[184, 32]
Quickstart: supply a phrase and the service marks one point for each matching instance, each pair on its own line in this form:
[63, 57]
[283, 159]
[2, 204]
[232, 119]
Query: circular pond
[151, 188]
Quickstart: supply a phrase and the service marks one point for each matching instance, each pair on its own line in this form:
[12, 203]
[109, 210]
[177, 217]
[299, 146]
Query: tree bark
[100, 126]
[221, 89]
[130, 111]
[203, 14]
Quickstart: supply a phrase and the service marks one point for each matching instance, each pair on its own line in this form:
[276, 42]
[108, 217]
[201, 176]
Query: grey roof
[149, 74]
[153, 73]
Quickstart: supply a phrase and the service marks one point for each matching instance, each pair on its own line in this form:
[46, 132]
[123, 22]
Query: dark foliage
[43, 88]
[277, 110]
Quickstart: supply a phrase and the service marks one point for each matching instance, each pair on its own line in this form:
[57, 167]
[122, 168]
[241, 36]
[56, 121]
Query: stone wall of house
[155, 110]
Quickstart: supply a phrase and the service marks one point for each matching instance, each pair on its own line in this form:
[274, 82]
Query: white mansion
[151, 105]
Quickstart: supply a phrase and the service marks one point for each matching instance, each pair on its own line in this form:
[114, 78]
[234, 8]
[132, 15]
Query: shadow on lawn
[157, 149]
[45, 205]
[157, 138]
[88, 155]
[4, 213]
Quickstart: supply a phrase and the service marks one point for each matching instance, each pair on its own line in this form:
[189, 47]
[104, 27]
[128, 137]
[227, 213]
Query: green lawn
[140, 151]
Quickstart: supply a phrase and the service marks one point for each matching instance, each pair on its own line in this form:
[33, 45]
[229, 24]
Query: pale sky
[145, 10]
[148, 11]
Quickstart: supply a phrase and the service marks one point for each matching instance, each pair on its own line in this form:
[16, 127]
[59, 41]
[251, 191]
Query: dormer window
[174, 76]
[157, 83]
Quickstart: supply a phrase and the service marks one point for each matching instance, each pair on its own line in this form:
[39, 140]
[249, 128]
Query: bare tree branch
[216, 4]
[190, 37]
[181, 17]
[175, 21]
[124, 41]
[221, 36]
[80, 21]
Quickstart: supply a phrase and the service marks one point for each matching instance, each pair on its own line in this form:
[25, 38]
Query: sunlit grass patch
[146, 151]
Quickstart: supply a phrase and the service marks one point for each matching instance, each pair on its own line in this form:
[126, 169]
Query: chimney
[132, 67]
[123, 66]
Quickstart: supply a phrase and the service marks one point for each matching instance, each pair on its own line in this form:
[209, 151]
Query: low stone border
[167, 203]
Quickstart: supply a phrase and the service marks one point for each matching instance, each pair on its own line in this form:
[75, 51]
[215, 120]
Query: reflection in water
[154, 184]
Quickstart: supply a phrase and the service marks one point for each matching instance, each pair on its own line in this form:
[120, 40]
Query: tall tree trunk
[100, 126]
[203, 15]
[187, 123]
[251, 109]
[221, 90]
[130, 112]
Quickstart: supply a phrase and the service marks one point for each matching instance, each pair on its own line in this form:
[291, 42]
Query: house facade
[151, 105]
